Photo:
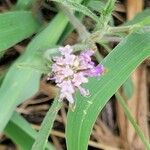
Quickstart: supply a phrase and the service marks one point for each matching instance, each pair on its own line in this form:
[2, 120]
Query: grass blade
[96, 5]
[26, 80]
[128, 88]
[46, 126]
[131, 119]
[20, 131]
[120, 63]
[78, 7]
[14, 29]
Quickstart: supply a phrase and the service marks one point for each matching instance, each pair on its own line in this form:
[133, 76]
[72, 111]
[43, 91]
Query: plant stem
[131, 119]
[81, 29]
[106, 13]
[124, 28]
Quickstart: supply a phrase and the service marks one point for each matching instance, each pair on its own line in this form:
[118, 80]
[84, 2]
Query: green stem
[131, 119]
[108, 49]
[98, 56]
[124, 28]
[106, 14]
[46, 126]
[81, 29]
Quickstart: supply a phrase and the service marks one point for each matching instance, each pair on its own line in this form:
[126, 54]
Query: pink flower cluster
[71, 71]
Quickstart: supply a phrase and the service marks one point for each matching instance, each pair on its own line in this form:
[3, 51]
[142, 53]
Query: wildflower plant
[70, 71]
[78, 70]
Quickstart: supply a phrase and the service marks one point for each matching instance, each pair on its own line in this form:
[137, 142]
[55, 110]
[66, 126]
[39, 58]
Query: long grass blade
[26, 80]
[131, 119]
[119, 65]
[46, 126]
[21, 132]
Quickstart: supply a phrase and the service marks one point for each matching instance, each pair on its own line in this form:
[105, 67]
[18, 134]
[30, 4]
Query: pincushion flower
[70, 71]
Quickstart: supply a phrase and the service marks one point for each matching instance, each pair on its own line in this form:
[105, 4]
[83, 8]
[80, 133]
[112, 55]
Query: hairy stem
[81, 29]
[131, 119]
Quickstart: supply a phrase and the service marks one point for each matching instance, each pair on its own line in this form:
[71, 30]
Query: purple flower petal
[79, 78]
[66, 50]
[95, 71]
[71, 71]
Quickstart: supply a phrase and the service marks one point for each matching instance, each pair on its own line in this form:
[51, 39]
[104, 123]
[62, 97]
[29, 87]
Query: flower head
[71, 71]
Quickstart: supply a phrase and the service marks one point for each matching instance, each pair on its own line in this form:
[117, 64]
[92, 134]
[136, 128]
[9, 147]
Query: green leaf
[23, 4]
[96, 5]
[119, 65]
[24, 82]
[21, 132]
[16, 26]
[105, 16]
[46, 126]
[78, 7]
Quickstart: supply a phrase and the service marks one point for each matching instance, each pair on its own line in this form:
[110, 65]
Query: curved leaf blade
[119, 63]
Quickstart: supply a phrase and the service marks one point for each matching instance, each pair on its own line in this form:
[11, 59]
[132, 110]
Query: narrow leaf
[119, 65]
[128, 88]
[16, 26]
[21, 132]
[78, 7]
[26, 80]
[46, 126]
[131, 119]
[96, 5]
